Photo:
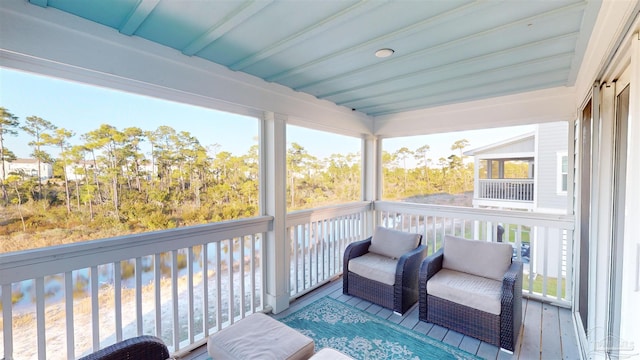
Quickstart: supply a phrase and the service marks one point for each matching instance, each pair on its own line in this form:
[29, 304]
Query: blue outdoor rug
[331, 323]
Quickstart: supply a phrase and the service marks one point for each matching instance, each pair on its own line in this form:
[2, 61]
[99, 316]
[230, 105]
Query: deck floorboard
[547, 331]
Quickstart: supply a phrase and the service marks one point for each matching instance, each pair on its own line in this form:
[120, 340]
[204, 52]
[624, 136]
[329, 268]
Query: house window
[563, 172]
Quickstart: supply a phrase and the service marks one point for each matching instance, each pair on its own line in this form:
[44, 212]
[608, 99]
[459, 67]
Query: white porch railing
[506, 189]
[542, 241]
[317, 239]
[180, 285]
[184, 284]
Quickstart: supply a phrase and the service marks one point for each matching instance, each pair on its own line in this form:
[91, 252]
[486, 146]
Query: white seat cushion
[375, 267]
[465, 289]
[258, 336]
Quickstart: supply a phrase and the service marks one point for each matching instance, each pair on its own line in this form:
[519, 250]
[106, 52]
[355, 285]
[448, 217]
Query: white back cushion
[393, 243]
[486, 259]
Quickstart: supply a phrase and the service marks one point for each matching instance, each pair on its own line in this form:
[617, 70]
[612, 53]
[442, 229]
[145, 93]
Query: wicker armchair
[384, 268]
[482, 292]
[142, 347]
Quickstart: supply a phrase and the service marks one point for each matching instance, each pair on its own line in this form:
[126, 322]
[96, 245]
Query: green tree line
[107, 186]
[450, 175]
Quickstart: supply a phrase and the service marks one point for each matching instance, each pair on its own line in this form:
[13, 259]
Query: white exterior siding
[27, 167]
[523, 146]
[552, 142]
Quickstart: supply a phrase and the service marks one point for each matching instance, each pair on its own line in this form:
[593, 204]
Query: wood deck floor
[547, 333]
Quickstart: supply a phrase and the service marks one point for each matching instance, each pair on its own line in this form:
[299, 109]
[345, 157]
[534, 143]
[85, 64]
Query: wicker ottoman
[258, 336]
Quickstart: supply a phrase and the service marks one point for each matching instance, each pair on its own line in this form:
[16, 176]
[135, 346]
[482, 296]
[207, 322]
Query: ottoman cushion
[258, 336]
[330, 354]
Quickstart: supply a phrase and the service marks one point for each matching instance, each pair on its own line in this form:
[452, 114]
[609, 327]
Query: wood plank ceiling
[444, 51]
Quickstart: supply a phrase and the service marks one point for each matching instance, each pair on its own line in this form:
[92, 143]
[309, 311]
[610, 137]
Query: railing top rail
[508, 180]
[505, 216]
[305, 216]
[29, 264]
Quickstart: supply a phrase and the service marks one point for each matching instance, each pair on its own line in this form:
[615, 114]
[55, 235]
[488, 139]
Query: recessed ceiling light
[383, 53]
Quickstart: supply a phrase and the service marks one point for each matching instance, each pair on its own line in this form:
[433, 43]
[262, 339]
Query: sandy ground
[463, 199]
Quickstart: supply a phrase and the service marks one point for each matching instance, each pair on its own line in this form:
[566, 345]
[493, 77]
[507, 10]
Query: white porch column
[371, 177]
[273, 195]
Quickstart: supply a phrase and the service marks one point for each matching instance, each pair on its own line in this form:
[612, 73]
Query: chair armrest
[511, 278]
[511, 306]
[430, 266]
[355, 249]
[143, 347]
[409, 265]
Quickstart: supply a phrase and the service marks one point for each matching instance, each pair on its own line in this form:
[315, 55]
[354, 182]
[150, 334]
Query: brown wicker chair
[501, 330]
[143, 347]
[404, 292]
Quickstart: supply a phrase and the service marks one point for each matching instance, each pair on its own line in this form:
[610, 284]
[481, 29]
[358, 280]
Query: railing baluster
[252, 279]
[230, 298]
[138, 272]
[157, 275]
[40, 325]
[205, 290]
[434, 223]
[545, 265]
[117, 289]
[531, 266]
[307, 238]
[68, 308]
[190, 307]
[569, 261]
[293, 235]
[314, 236]
[263, 269]
[242, 290]
[174, 300]
[7, 321]
[218, 286]
[95, 309]
[560, 271]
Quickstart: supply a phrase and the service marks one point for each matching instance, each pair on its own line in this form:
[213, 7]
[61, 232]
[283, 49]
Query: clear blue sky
[82, 108]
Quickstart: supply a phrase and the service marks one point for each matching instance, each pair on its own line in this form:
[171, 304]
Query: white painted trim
[512, 140]
[611, 25]
[549, 105]
[550, 211]
[536, 168]
[273, 190]
[630, 331]
[507, 156]
[24, 265]
[503, 204]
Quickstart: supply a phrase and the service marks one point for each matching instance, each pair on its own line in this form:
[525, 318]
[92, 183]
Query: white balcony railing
[317, 239]
[185, 284]
[180, 285]
[506, 189]
[543, 242]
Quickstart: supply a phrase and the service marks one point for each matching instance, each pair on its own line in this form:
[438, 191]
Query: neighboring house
[76, 170]
[541, 188]
[28, 167]
[538, 185]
